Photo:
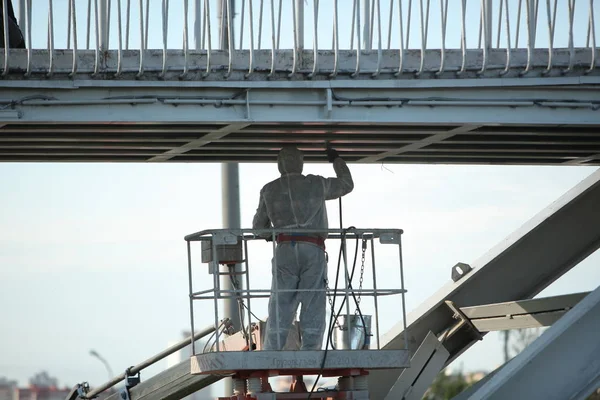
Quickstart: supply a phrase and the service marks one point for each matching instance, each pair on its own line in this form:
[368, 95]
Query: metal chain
[362, 274]
[330, 297]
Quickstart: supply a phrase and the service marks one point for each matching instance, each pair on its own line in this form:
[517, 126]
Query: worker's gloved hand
[331, 154]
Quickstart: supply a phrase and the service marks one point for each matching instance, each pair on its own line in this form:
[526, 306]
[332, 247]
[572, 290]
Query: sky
[92, 255]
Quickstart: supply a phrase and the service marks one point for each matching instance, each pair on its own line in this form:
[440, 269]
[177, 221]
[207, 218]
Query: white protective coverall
[298, 201]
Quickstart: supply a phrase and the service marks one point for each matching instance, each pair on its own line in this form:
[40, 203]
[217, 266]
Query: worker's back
[296, 201]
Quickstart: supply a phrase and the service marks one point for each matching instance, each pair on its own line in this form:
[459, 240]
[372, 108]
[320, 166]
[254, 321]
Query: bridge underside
[541, 111]
[397, 143]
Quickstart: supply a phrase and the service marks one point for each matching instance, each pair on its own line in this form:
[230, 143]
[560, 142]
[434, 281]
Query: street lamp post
[94, 353]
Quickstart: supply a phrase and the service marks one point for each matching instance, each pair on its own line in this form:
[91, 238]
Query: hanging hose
[333, 316]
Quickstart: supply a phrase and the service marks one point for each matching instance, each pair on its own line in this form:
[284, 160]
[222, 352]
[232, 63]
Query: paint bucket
[356, 336]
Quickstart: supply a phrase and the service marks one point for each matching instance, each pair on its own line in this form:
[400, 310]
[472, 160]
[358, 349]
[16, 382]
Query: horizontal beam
[531, 313]
[259, 146]
[518, 321]
[529, 306]
[469, 107]
[559, 364]
[465, 83]
[371, 65]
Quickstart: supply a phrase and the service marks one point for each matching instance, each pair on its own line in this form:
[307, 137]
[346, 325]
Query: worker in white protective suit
[298, 201]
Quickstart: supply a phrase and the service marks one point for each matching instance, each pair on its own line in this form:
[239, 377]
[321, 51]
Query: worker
[298, 201]
[15, 37]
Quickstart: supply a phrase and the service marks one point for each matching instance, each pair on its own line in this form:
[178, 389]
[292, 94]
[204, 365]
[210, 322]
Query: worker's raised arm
[342, 184]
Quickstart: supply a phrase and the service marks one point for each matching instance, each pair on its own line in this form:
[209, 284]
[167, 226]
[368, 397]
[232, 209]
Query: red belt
[294, 238]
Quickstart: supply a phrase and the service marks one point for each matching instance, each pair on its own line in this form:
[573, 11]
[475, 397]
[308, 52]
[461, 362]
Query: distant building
[8, 390]
[41, 387]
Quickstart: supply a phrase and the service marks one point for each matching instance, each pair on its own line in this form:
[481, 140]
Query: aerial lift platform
[241, 355]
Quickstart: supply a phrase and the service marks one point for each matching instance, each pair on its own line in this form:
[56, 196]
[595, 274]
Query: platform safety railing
[222, 249]
[276, 26]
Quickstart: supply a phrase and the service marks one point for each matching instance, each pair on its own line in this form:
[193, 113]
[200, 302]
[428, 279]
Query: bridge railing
[248, 30]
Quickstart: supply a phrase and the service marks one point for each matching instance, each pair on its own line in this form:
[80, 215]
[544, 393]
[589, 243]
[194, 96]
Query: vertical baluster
[165, 35]
[273, 39]
[463, 37]
[29, 38]
[89, 24]
[592, 33]
[119, 39]
[519, 7]
[401, 28]
[571, 44]
[185, 38]
[242, 22]
[409, 16]
[358, 39]
[390, 24]
[423, 35]
[443, 18]
[336, 39]
[550, 15]
[315, 38]
[486, 13]
[500, 13]
[6, 43]
[69, 25]
[508, 47]
[51, 37]
[260, 23]
[251, 23]
[207, 29]
[530, 12]
[142, 44]
[147, 24]
[353, 25]
[127, 24]
[279, 25]
[73, 19]
[379, 52]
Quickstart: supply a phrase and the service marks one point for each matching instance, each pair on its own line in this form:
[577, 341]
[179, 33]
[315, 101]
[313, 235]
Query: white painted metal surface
[555, 240]
[425, 365]
[521, 314]
[564, 360]
[232, 361]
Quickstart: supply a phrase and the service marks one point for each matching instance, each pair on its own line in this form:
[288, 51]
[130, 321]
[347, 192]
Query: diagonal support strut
[421, 143]
[208, 138]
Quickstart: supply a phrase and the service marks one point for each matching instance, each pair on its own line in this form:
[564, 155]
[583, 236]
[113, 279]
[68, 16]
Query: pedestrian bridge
[483, 82]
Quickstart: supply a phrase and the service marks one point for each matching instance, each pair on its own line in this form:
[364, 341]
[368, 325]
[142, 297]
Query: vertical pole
[103, 24]
[532, 5]
[300, 24]
[197, 24]
[487, 23]
[366, 34]
[230, 182]
[22, 15]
